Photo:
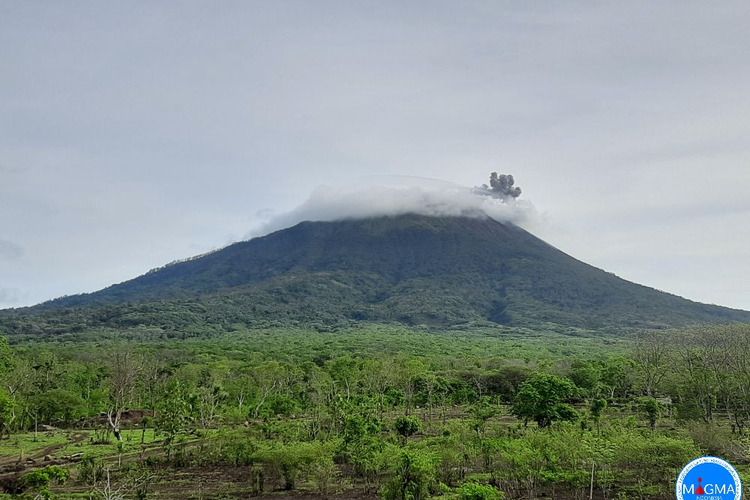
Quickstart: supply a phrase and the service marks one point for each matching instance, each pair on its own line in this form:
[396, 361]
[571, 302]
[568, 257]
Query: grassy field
[63, 443]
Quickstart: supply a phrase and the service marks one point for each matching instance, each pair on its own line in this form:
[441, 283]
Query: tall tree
[125, 365]
[653, 353]
[542, 399]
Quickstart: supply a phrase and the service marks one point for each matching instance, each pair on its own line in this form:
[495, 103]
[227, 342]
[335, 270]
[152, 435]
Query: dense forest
[373, 411]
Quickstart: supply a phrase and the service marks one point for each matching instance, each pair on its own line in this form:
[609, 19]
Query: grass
[69, 442]
[30, 444]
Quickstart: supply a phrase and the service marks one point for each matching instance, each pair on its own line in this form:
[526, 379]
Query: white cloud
[376, 198]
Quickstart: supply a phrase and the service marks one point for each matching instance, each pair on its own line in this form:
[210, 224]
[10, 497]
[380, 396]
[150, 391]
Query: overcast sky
[136, 133]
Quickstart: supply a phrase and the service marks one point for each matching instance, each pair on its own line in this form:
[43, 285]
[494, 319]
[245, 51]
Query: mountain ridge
[412, 269]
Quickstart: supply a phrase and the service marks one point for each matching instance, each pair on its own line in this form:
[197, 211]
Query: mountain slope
[411, 269]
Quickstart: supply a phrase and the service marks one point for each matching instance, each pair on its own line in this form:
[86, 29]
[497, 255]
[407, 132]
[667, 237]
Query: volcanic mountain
[413, 269]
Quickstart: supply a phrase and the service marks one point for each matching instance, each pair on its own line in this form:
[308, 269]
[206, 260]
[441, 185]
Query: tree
[356, 427]
[290, 459]
[378, 377]
[110, 491]
[598, 452]
[19, 381]
[597, 407]
[653, 353]
[506, 381]
[541, 399]
[174, 412]
[372, 458]
[482, 411]
[7, 406]
[125, 366]
[411, 370]
[57, 405]
[345, 373]
[736, 390]
[415, 474]
[238, 385]
[269, 378]
[407, 426]
[585, 375]
[208, 399]
[153, 377]
[651, 408]
[618, 376]
[322, 472]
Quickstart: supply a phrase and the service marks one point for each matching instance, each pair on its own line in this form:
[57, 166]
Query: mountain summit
[412, 269]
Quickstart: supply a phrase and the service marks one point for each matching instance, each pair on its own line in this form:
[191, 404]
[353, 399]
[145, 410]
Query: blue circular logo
[708, 478]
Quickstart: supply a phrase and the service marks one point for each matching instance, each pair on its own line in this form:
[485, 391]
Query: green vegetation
[404, 358]
[477, 491]
[39, 480]
[411, 270]
[542, 399]
[376, 410]
[407, 426]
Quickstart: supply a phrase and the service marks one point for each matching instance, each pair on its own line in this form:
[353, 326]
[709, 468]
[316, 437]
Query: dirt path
[49, 450]
[12, 466]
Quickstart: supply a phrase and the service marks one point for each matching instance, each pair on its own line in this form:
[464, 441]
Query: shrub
[651, 408]
[715, 440]
[476, 491]
[90, 471]
[651, 459]
[373, 458]
[322, 473]
[415, 475]
[289, 459]
[40, 479]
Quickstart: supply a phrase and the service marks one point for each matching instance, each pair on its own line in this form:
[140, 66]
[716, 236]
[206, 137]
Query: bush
[476, 491]
[40, 479]
[651, 459]
[322, 473]
[355, 427]
[90, 471]
[715, 440]
[415, 475]
[372, 459]
[288, 460]
[651, 408]
[235, 416]
[238, 452]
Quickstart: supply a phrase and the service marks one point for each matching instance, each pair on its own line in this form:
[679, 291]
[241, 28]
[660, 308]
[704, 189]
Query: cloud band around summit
[394, 195]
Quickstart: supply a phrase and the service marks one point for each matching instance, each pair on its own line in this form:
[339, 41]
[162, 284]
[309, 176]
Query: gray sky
[135, 133]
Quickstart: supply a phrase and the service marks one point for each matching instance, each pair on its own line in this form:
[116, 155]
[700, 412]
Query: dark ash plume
[501, 186]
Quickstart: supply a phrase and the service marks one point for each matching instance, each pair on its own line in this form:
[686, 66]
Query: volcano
[411, 269]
